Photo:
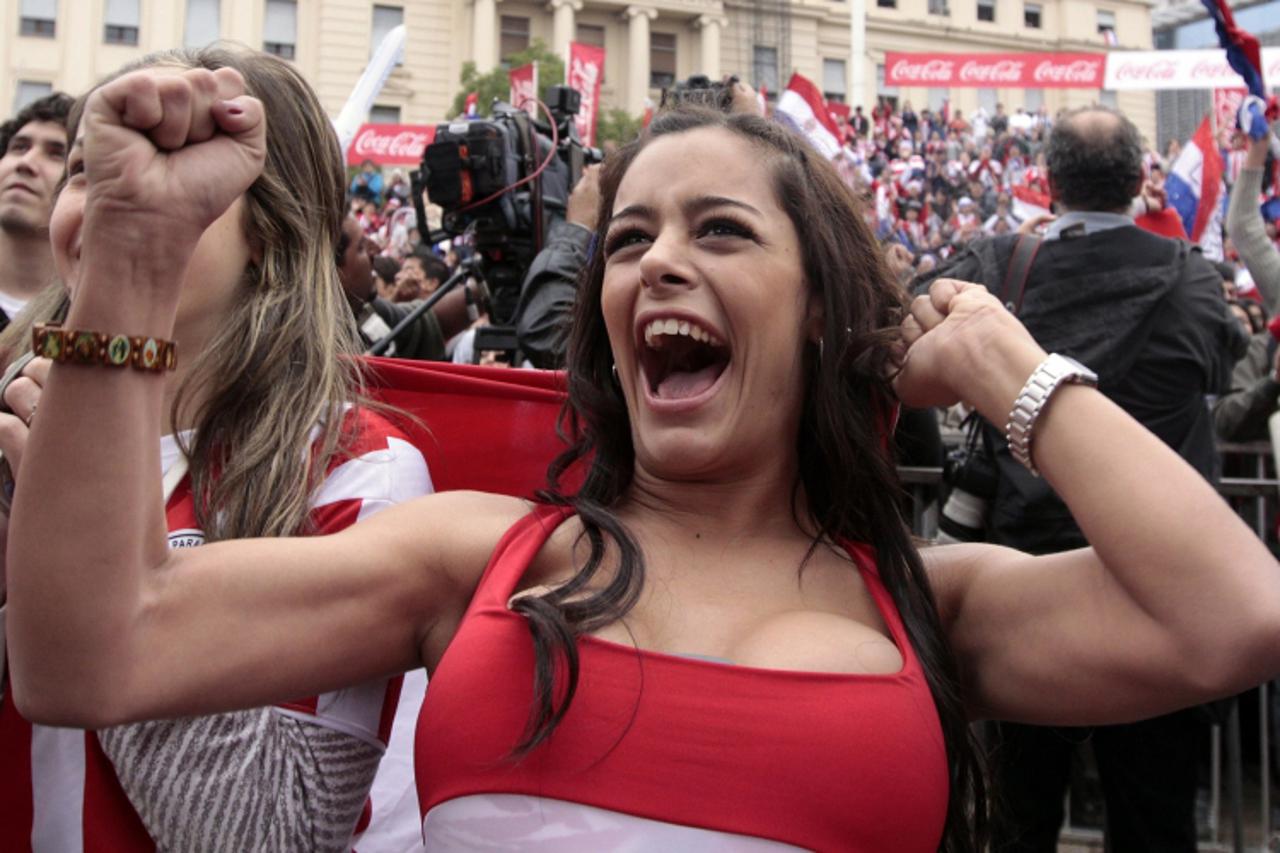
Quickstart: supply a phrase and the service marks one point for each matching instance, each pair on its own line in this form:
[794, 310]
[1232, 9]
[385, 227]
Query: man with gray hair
[1147, 315]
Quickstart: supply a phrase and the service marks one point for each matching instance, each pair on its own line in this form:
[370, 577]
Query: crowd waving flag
[802, 107]
[1195, 180]
[1244, 55]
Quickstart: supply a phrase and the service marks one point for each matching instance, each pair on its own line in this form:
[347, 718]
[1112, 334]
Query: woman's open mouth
[680, 359]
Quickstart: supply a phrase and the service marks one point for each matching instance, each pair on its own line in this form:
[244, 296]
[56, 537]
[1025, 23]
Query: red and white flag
[583, 73]
[472, 108]
[1194, 181]
[524, 88]
[1028, 203]
[802, 107]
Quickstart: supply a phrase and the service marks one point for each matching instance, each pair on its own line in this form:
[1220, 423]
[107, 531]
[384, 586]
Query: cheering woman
[725, 634]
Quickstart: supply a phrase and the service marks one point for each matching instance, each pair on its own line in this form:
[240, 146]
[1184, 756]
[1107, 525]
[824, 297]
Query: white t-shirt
[11, 305]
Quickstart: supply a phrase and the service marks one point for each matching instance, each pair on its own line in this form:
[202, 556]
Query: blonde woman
[265, 432]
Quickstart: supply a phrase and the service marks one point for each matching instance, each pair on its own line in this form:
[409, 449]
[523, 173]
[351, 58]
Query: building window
[662, 60]
[384, 115]
[888, 94]
[121, 22]
[29, 91]
[939, 7]
[986, 10]
[514, 38]
[887, 4]
[39, 18]
[833, 80]
[764, 69]
[1031, 14]
[280, 28]
[1032, 100]
[881, 87]
[385, 19]
[202, 26]
[1107, 26]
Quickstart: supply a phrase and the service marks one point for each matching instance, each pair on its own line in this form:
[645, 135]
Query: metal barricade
[1253, 490]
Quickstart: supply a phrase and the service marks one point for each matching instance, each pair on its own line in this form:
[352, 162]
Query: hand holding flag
[1243, 55]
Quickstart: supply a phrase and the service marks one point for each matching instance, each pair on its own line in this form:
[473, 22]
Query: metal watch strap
[1051, 374]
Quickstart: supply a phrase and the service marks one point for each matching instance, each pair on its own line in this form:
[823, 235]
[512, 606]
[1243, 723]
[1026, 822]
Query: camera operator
[375, 316]
[551, 285]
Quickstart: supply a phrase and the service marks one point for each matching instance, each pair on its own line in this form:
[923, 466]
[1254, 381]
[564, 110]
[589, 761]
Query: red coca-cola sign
[996, 70]
[905, 69]
[1007, 72]
[390, 144]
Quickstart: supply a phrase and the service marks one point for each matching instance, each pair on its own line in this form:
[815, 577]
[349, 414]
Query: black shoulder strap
[1024, 255]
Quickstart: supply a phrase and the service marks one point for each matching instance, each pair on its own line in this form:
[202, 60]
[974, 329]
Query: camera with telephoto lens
[972, 477]
[484, 174]
[700, 90]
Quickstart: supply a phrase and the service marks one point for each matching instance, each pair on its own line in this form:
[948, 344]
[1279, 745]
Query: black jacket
[422, 339]
[548, 294]
[1146, 314]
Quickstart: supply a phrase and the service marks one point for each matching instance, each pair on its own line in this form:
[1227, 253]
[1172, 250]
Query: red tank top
[817, 760]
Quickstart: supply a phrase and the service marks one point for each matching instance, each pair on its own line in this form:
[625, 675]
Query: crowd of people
[714, 629]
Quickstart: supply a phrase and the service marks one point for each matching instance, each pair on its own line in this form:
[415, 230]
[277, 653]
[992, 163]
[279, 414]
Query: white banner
[1182, 69]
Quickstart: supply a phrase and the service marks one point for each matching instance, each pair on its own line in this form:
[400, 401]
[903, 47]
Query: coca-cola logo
[1210, 70]
[1000, 71]
[1078, 71]
[931, 70]
[404, 145]
[1160, 69]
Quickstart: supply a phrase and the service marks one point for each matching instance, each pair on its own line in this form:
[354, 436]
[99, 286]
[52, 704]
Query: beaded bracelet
[70, 346]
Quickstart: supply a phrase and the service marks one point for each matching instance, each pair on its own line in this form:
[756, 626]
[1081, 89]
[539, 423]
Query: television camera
[503, 181]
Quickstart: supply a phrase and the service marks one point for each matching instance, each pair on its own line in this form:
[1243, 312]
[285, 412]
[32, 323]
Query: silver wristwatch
[1053, 372]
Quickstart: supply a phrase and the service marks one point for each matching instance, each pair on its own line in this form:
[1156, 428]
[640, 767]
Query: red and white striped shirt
[60, 792]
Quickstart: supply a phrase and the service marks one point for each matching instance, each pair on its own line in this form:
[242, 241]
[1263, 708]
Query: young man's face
[29, 173]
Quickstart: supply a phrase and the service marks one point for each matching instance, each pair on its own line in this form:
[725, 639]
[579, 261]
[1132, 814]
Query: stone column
[484, 36]
[563, 25]
[709, 27]
[638, 18]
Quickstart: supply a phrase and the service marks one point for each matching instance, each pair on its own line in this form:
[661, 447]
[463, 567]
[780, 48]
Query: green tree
[617, 126]
[495, 83]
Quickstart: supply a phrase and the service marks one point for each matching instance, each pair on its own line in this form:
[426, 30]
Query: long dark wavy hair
[846, 470]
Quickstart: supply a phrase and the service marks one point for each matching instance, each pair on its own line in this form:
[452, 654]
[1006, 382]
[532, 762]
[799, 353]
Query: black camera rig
[502, 182]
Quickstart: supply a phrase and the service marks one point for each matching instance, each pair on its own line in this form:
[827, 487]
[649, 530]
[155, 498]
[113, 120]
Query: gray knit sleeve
[1247, 232]
[255, 780]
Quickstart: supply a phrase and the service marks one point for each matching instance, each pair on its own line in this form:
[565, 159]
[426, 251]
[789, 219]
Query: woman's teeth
[655, 329]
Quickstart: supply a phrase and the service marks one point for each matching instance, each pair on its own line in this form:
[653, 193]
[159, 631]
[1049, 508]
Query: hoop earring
[614, 369]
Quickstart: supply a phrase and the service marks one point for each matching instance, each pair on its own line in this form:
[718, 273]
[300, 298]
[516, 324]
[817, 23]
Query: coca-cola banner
[390, 144]
[524, 88]
[583, 73]
[995, 70]
[1182, 69]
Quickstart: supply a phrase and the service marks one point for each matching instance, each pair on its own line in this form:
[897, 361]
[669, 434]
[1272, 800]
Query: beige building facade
[69, 44]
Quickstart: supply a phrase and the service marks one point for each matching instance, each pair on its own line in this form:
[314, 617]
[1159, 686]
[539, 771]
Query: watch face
[1078, 372]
